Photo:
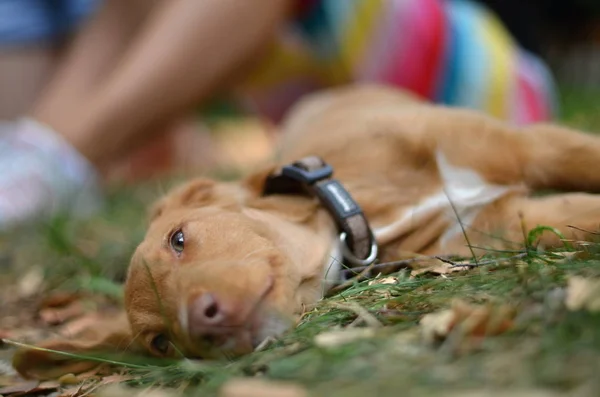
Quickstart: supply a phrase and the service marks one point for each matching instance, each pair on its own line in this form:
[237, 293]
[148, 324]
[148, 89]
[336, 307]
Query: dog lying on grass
[225, 266]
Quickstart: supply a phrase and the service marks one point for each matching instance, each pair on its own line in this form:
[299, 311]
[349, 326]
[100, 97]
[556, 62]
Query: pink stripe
[410, 68]
[435, 42]
[396, 41]
[528, 109]
[530, 95]
[379, 52]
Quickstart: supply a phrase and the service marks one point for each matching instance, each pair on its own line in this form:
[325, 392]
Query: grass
[549, 348]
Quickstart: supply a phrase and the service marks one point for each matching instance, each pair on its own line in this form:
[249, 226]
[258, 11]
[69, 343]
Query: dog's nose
[205, 312]
[216, 323]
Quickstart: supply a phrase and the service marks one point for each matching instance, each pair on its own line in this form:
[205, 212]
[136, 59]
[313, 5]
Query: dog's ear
[45, 361]
[255, 182]
[195, 193]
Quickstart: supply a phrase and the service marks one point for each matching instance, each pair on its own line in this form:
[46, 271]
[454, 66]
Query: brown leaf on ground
[436, 326]
[59, 299]
[55, 316]
[583, 294]
[20, 387]
[68, 379]
[565, 257]
[46, 359]
[384, 292]
[87, 386]
[28, 388]
[384, 280]
[471, 322]
[343, 336]
[254, 387]
[31, 283]
[79, 325]
[435, 266]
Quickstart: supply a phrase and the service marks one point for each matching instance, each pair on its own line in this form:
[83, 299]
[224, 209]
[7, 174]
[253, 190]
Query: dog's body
[223, 267]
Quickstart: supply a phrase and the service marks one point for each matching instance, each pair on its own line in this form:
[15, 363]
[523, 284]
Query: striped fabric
[454, 52]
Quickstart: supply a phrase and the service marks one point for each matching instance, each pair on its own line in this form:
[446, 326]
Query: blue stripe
[448, 79]
[469, 60]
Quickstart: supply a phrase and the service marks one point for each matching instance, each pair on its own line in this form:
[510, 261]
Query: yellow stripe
[501, 49]
[356, 34]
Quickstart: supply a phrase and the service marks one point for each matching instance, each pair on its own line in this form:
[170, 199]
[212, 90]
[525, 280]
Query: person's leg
[29, 52]
[185, 51]
[99, 109]
[41, 172]
[23, 72]
[92, 57]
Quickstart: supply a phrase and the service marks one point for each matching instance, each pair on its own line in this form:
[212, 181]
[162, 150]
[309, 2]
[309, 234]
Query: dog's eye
[177, 241]
[160, 344]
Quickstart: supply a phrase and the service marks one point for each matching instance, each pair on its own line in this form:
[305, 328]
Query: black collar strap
[312, 176]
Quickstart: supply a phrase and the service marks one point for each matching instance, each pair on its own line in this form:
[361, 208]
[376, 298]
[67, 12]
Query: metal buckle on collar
[350, 257]
[310, 177]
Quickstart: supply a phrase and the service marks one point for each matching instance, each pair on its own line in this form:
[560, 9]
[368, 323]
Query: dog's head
[221, 269]
[205, 282]
[215, 276]
[208, 278]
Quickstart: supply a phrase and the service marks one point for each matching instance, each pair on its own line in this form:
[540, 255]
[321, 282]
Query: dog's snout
[206, 311]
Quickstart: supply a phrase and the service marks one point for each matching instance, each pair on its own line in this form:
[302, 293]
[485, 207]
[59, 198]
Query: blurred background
[35, 36]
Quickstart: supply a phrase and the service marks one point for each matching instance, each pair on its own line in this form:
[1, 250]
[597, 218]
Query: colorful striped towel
[453, 52]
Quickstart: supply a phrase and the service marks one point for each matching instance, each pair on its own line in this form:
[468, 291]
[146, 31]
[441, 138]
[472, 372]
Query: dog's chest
[448, 203]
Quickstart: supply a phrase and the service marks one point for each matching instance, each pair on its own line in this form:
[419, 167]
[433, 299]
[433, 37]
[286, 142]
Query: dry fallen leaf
[436, 326]
[29, 388]
[79, 325]
[55, 316]
[384, 292]
[68, 379]
[583, 293]
[385, 280]
[59, 299]
[471, 321]
[342, 337]
[253, 387]
[31, 283]
[20, 387]
[565, 257]
[435, 266]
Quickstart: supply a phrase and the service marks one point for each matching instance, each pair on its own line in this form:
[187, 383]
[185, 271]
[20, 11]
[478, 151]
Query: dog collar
[312, 176]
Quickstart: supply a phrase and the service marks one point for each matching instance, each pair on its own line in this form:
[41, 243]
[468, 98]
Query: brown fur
[263, 257]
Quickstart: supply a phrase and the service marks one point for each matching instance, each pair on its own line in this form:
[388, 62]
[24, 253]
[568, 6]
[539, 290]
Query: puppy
[224, 266]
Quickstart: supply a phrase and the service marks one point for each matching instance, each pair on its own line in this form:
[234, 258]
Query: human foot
[42, 175]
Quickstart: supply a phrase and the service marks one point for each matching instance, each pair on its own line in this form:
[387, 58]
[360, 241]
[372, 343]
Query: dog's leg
[562, 158]
[506, 224]
[575, 215]
[539, 156]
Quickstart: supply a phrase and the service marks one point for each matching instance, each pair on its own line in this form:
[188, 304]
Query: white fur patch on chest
[468, 192]
[462, 188]
[332, 265]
